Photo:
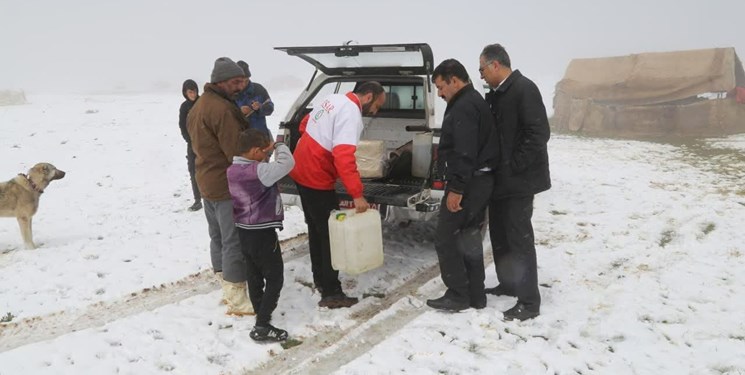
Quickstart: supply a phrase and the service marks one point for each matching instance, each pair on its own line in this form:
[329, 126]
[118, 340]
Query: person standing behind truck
[467, 153]
[254, 102]
[325, 152]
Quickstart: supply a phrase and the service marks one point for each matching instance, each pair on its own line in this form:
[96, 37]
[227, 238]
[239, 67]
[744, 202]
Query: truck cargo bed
[384, 192]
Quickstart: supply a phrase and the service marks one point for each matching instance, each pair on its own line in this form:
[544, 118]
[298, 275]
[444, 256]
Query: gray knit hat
[225, 69]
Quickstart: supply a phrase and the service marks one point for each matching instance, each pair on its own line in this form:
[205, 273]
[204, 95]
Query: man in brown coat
[214, 124]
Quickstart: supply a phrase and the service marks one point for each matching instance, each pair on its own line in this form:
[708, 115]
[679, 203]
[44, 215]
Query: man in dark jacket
[522, 124]
[214, 125]
[467, 153]
[254, 102]
[190, 90]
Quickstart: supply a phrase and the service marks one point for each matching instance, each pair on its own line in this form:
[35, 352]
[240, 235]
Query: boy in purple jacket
[258, 211]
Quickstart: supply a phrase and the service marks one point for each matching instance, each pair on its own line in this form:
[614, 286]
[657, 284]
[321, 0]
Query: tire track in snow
[327, 351]
[46, 327]
[323, 352]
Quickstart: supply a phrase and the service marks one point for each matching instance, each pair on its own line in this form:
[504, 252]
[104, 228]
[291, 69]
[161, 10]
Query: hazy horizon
[84, 46]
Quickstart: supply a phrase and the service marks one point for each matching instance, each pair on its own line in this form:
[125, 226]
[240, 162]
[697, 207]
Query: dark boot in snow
[196, 206]
[478, 303]
[499, 290]
[520, 312]
[337, 301]
[269, 333]
[447, 303]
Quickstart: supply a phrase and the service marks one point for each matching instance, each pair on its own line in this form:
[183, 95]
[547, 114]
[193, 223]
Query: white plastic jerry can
[356, 241]
[421, 157]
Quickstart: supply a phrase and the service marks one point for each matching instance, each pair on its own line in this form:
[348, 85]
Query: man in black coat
[523, 129]
[467, 154]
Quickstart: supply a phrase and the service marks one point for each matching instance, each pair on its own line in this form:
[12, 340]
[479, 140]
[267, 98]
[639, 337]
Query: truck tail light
[437, 182]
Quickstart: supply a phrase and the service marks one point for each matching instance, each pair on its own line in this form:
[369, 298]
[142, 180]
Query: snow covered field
[640, 248]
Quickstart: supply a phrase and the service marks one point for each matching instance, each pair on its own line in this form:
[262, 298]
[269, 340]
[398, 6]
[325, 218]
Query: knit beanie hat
[244, 66]
[225, 69]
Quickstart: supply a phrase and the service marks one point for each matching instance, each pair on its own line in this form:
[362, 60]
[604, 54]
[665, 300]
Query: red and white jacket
[325, 151]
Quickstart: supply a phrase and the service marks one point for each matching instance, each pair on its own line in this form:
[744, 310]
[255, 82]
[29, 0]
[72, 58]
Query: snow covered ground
[640, 248]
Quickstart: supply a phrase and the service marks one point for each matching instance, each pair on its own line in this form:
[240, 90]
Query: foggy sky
[139, 45]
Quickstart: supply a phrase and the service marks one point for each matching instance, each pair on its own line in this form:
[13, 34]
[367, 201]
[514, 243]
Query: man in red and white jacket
[325, 153]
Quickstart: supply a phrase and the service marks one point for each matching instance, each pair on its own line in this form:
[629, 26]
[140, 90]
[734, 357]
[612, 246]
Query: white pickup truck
[411, 188]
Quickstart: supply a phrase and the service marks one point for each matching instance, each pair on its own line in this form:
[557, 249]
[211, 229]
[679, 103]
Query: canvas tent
[12, 97]
[684, 93]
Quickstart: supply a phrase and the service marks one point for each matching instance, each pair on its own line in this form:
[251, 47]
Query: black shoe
[478, 304]
[268, 333]
[520, 312]
[499, 290]
[196, 206]
[337, 301]
[446, 303]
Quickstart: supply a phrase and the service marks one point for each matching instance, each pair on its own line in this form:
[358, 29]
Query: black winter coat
[468, 141]
[186, 107]
[522, 125]
[182, 113]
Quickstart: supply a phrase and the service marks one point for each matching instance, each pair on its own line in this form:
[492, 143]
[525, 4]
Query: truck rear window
[403, 100]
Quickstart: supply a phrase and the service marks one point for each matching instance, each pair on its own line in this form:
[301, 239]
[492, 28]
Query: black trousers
[191, 164]
[513, 246]
[265, 270]
[317, 206]
[458, 242]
